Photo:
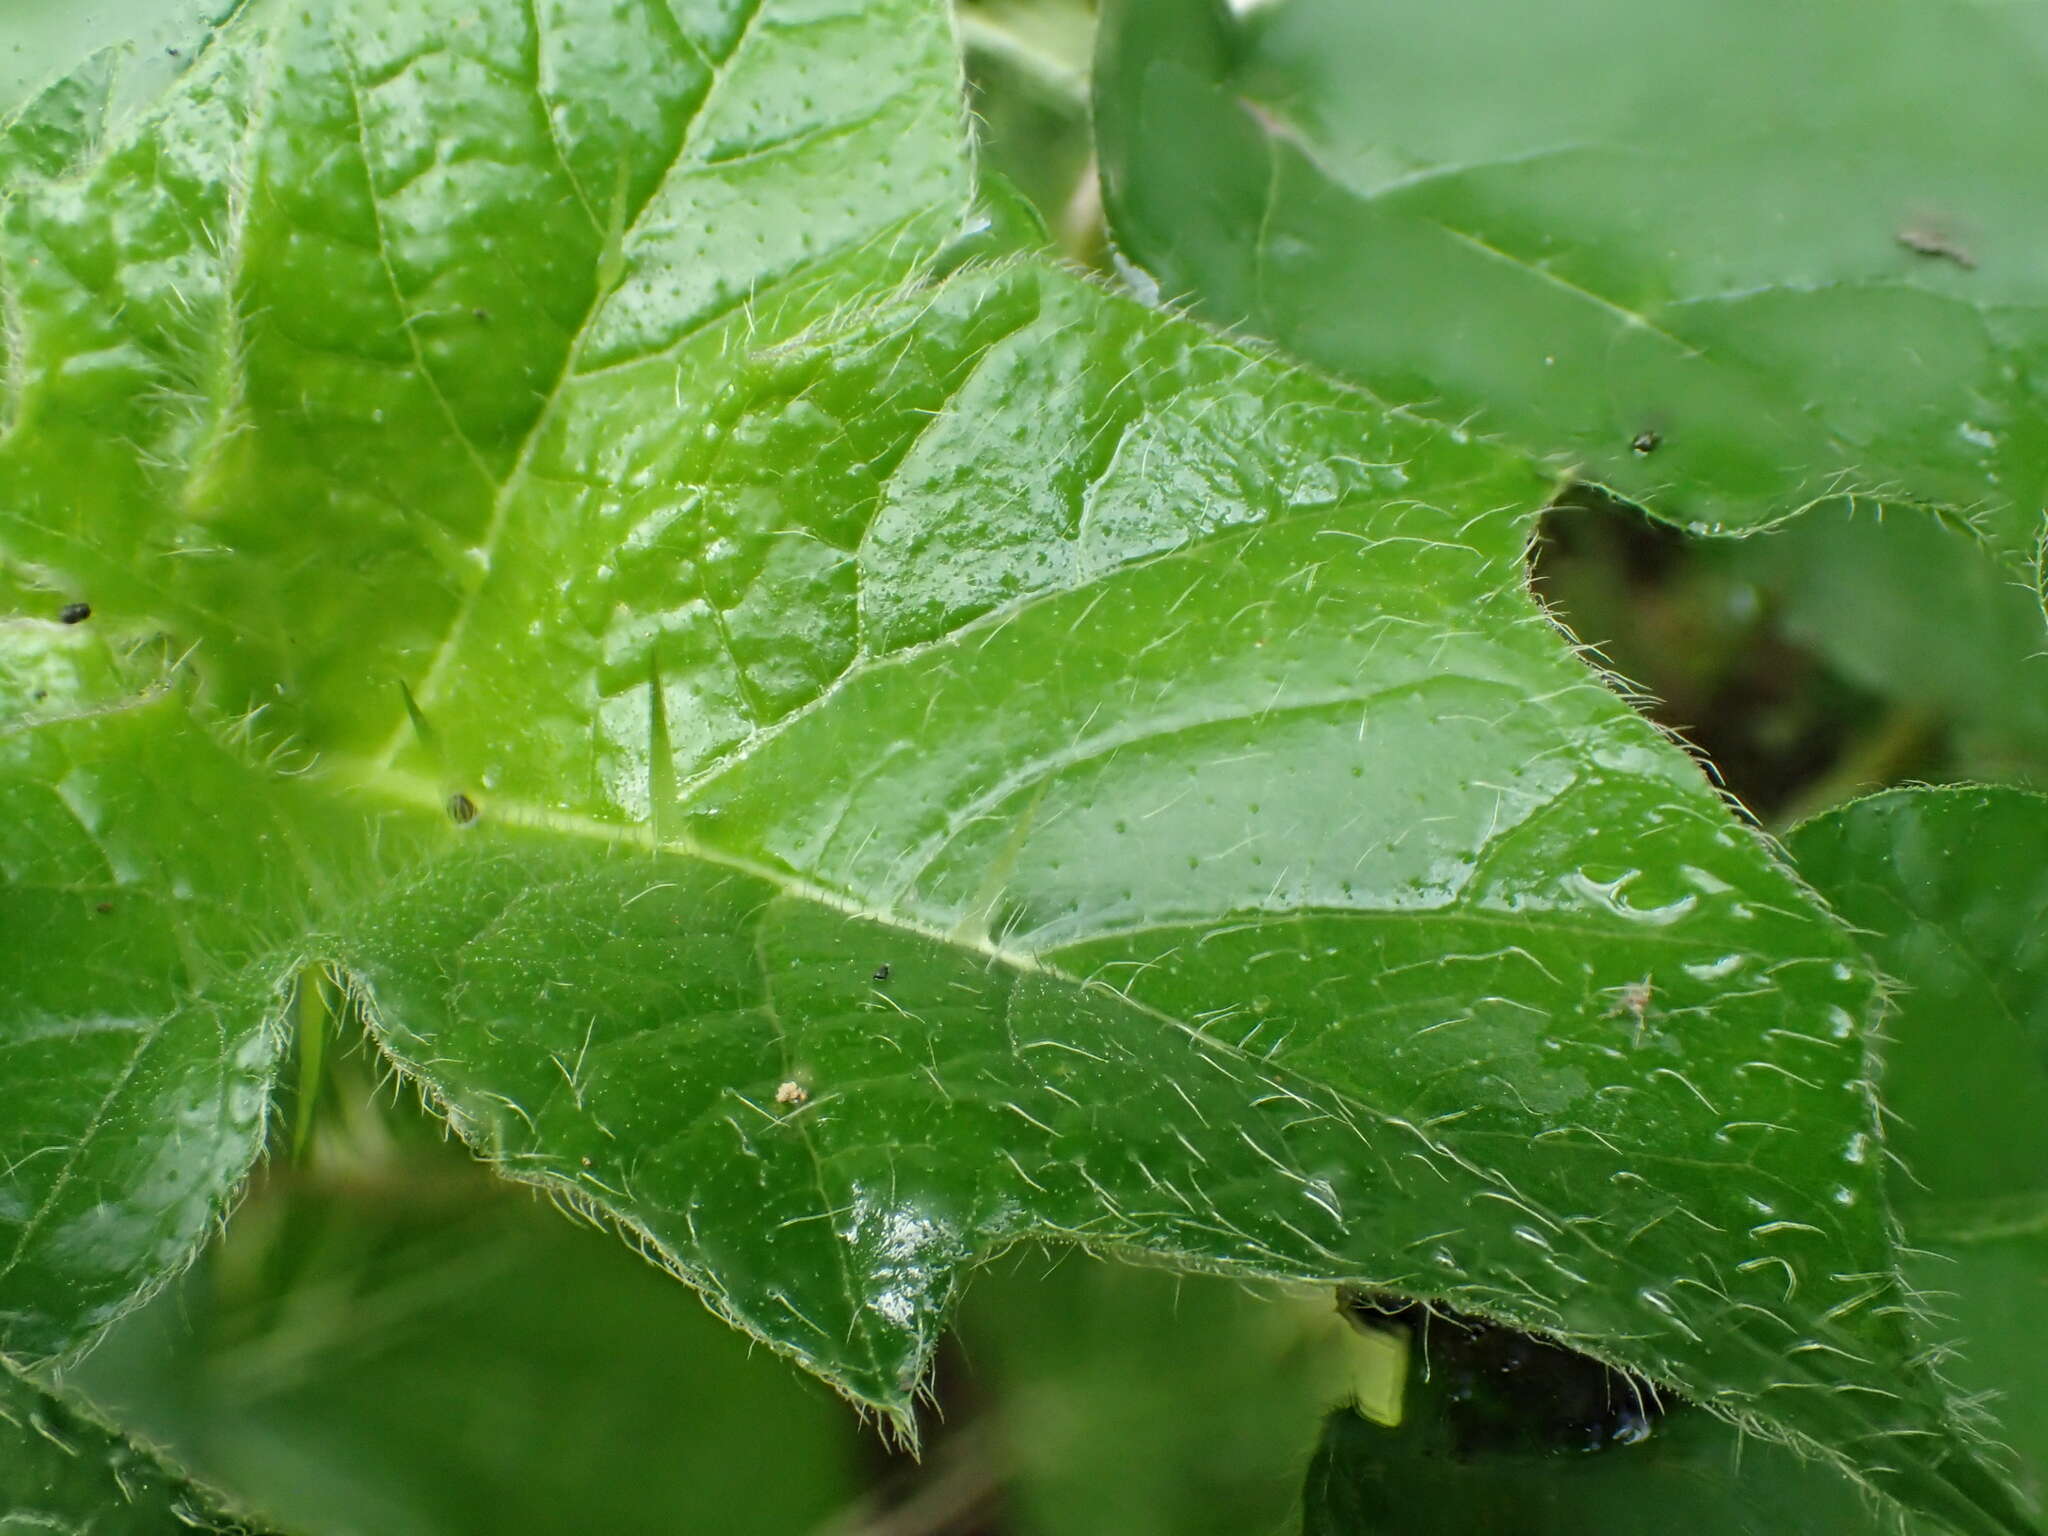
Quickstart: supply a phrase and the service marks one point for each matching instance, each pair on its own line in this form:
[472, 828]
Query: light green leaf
[153, 887]
[62, 1473]
[1722, 262]
[1951, 891]
[842, 789]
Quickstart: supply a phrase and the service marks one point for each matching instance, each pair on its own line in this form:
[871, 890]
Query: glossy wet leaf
[62, 1472]
[1720, 260]
[275, 354]
[840, 787]
[1949, 888]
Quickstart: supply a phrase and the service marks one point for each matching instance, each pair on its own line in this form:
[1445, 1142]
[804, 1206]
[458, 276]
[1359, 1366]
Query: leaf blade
[1696, 283]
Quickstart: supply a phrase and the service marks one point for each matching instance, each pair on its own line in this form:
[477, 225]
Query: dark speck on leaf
[74, 613]
[1645, 442]
[461, 809]
[881, 973]
[482, 314]
[103, 907]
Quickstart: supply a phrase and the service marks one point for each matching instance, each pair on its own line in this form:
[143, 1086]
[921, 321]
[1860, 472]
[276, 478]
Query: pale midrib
[515, 478]
[419, 793]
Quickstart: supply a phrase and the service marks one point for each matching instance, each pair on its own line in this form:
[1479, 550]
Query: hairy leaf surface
[1723, 261]
[63, 1473]
[842, 787]
[1949, 889]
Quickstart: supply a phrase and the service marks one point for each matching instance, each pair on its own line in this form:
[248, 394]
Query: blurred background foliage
[385, 1340]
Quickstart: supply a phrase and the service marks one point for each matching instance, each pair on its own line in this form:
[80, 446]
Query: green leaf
[1720, 264]
[153, 888]
[1027, 73]
[407, 1351]
[1916, 616]
[1504, 1434]
[1949, 889]
[1133, 1402]
[274, 358]
[62, 1471]
[840, 788]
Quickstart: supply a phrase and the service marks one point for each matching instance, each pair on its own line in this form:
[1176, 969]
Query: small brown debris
[792, 1093]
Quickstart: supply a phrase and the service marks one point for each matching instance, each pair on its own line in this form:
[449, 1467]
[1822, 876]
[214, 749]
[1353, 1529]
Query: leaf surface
[1722, 262]
[1949, 890]
[841, 788]
[63, 1472]
[1915, 615]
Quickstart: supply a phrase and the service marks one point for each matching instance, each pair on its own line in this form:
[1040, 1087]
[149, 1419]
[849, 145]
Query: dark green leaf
[1916, 616]
[1950, 887]
[1722, 261]
[64, 1473]
[404, 1351]
[1693, 1473]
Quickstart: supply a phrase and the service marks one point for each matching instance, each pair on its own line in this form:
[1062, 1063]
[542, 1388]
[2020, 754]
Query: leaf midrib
[515, 478]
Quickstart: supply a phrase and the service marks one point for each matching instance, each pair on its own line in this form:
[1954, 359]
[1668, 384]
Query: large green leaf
[1950, 888]
[1722, 260]
[841, 790]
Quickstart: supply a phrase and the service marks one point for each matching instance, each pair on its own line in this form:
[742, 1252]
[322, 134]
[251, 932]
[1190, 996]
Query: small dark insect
[482, 314]
[74, 613]
[881, 972]
[103, 907]
[172, 52]
[1645, 443]
[461, 809]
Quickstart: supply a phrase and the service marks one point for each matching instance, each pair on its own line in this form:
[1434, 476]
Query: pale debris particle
[1633, 998]
[792, 1093]
[1922, 240]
